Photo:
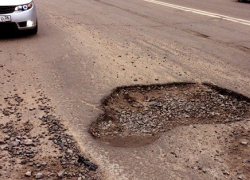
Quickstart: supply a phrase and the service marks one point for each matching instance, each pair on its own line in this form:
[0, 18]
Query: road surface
[86, 48]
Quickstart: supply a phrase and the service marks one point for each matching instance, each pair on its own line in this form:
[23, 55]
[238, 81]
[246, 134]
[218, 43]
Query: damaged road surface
[38, 146]
[136, 116]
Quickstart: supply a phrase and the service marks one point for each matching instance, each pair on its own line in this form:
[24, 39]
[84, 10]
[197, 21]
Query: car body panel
[24, 16]
[13, 2]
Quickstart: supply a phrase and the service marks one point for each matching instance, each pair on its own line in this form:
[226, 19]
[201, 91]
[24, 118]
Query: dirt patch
[38, 147]
[136, 116]
[34, 144]
[239, 151]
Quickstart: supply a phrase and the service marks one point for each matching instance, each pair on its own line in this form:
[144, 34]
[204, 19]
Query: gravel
[41, 146]
[147, 111]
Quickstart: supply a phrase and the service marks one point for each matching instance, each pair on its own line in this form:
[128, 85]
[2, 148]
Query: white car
[20, 14]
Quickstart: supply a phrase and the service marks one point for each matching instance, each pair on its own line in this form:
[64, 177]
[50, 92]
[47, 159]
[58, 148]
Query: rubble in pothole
[142, 113]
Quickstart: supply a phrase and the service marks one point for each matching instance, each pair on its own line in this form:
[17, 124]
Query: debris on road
[138, 115]
[40, 145]
[34, 143]
[87, 163]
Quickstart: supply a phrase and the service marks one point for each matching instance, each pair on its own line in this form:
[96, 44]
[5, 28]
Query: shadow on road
[247, 2]
[7, 34]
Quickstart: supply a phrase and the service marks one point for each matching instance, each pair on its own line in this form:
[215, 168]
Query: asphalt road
[86, 48]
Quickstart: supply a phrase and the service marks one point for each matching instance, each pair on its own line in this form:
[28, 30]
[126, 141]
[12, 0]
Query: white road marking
[196, 11]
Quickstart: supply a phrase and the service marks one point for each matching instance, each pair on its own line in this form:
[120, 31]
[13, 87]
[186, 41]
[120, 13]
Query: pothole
[137, 115]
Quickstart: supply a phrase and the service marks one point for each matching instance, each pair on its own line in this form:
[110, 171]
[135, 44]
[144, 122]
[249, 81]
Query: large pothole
[137, 115]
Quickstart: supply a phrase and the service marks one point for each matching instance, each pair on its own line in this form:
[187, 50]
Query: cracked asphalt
[85, 49]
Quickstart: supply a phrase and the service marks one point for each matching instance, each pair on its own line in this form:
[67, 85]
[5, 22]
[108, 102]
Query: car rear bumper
[24, 20]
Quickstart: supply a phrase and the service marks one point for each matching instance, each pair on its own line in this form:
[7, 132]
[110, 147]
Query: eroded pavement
[136, 116]
[34, 142]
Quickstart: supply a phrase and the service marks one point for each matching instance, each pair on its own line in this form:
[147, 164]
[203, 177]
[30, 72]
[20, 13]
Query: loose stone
[28, 174]
[39, 175]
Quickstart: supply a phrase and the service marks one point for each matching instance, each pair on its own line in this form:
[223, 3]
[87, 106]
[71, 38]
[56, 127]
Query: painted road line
[204, 13]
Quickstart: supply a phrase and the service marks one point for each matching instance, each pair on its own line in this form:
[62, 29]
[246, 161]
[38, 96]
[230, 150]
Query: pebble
[23, 161]
[5, 130]
[204, 170]
[30, 164]
[70, 151]
[225, 172]
[6, 137]
[39, 175]
[244, 142]
[60, 174]
[245, 161]
[15, 143]
[28, 174]
[240, 177]
[28, 142]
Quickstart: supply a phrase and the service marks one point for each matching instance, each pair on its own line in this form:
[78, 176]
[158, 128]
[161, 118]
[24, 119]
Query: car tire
[35, 30]
[242, 1]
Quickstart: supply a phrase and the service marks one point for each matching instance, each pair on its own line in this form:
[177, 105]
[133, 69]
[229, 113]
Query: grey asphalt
[86, 48]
